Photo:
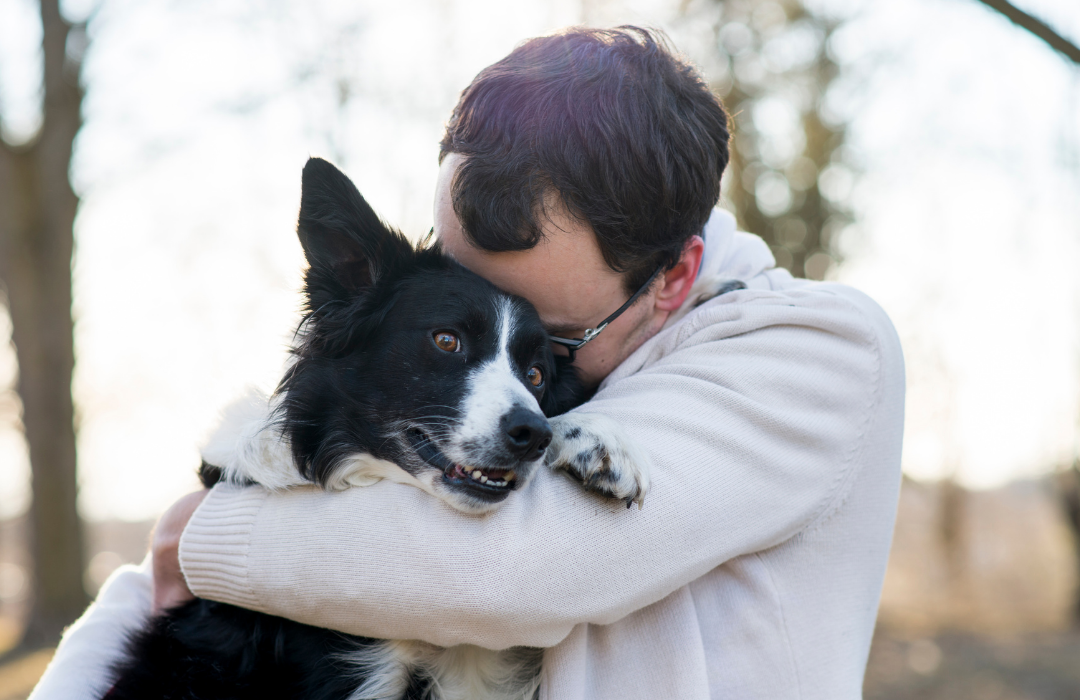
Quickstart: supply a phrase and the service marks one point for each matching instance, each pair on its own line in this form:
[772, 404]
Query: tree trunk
[37, 212]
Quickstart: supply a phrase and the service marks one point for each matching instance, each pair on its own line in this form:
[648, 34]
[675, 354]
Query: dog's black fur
[368, 377]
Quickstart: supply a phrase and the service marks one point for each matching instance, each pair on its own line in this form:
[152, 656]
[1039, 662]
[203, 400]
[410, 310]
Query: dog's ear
[347, 247]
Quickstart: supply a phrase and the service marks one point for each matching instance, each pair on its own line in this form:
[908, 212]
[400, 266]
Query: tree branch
[1037, 27]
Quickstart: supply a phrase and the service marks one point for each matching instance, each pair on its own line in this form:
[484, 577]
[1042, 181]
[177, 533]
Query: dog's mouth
[483, 481]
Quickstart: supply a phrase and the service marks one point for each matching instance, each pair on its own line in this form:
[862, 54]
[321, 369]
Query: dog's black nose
[527, 433]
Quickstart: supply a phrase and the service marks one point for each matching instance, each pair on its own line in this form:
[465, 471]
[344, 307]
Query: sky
[199, 117]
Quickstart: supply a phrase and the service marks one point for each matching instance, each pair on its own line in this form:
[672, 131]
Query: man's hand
[170, 588]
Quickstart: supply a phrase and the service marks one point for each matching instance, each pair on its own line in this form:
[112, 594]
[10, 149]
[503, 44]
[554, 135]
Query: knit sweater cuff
[215, 545]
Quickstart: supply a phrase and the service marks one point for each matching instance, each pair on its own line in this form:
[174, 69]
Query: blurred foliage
[790, 175]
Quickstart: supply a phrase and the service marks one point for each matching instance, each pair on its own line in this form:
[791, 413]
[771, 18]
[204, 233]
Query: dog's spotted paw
[712, 287]
[596, 451]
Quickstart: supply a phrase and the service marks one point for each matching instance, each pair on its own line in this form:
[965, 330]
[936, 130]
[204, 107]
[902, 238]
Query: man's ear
[347, 247]
[679, 279]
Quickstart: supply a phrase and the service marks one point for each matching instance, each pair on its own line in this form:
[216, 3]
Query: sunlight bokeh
[199, 117]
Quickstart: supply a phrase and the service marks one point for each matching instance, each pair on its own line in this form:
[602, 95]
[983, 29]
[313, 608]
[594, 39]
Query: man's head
[573, 169]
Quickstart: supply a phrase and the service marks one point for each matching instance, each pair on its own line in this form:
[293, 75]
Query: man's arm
[754, 416]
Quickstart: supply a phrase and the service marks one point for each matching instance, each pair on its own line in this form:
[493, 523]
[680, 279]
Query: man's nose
[526, 433]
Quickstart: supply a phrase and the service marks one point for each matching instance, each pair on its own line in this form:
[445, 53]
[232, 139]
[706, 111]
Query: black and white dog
[407, 367]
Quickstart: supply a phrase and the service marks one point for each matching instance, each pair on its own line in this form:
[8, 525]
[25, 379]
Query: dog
[406, 367]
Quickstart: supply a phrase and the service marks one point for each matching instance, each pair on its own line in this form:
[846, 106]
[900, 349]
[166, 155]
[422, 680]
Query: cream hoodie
[773, 417]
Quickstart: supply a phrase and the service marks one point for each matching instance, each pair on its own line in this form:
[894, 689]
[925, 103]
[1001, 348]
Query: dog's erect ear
[347, 247]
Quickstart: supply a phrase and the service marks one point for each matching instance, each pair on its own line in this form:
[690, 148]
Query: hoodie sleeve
[756, 411]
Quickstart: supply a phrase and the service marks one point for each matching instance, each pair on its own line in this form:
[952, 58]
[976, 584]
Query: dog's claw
[597, 452]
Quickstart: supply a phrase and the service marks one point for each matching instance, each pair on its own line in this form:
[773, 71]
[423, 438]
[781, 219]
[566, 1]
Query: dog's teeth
[476, 474]
[510, 476]
[483, 479]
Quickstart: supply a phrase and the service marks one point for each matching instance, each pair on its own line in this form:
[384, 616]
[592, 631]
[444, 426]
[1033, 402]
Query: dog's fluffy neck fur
[250, 448]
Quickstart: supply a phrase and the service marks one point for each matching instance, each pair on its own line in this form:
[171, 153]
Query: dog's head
[406, 356]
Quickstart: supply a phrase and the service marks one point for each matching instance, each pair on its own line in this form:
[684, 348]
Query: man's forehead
[564, 275]
[550, 286]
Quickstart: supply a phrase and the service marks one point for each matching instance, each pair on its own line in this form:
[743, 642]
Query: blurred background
[926, 151]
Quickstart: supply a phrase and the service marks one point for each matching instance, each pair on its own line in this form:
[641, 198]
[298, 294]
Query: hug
[434, 502]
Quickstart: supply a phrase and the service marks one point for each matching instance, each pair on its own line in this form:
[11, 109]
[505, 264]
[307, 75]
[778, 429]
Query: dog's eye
[535, 376]
[447, 341]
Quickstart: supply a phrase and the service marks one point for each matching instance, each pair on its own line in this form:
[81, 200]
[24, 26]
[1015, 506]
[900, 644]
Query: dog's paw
[596, 451]
[712, 287]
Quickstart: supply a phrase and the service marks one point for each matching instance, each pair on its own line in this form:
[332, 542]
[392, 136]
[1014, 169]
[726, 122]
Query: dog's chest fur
[391, 669]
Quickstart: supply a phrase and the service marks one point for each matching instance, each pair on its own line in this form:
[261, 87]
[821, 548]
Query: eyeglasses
[572, 345]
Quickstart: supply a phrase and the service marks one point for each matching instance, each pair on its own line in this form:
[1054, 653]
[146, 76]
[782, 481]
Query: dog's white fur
[463, 672]
[597, 450]
[248, 447]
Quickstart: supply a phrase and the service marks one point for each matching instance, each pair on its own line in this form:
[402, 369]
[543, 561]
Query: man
[571, 172]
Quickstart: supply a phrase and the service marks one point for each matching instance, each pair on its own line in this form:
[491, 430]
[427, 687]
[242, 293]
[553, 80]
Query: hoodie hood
[732, 254]
[729, 255]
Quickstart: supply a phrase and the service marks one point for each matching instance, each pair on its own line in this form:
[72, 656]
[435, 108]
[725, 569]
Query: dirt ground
[955, 667]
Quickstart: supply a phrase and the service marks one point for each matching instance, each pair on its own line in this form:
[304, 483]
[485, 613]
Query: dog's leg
[705, 288]
[596, 451]
[711, 287]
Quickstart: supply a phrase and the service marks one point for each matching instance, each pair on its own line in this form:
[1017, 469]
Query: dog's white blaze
[494, 389]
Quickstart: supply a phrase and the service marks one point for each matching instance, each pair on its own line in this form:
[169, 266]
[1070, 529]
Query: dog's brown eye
[535, 376]
[447, 341]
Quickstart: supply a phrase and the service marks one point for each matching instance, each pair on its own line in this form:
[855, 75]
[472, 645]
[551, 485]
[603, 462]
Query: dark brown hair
[625, 132]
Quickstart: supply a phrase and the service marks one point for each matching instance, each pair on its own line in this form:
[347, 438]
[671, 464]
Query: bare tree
[37, 211]
[790, 184]
[1037, 27]
[1067, 480]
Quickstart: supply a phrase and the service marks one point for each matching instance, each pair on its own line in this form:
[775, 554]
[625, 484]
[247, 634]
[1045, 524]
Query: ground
[1034, 667]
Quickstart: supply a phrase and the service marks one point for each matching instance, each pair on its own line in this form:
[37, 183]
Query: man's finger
[170, 587]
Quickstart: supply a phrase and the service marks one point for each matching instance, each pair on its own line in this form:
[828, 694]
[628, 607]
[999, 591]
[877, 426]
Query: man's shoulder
[803, 326]
[804, 307]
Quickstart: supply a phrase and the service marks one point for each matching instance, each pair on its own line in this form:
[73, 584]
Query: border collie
[406, 367]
